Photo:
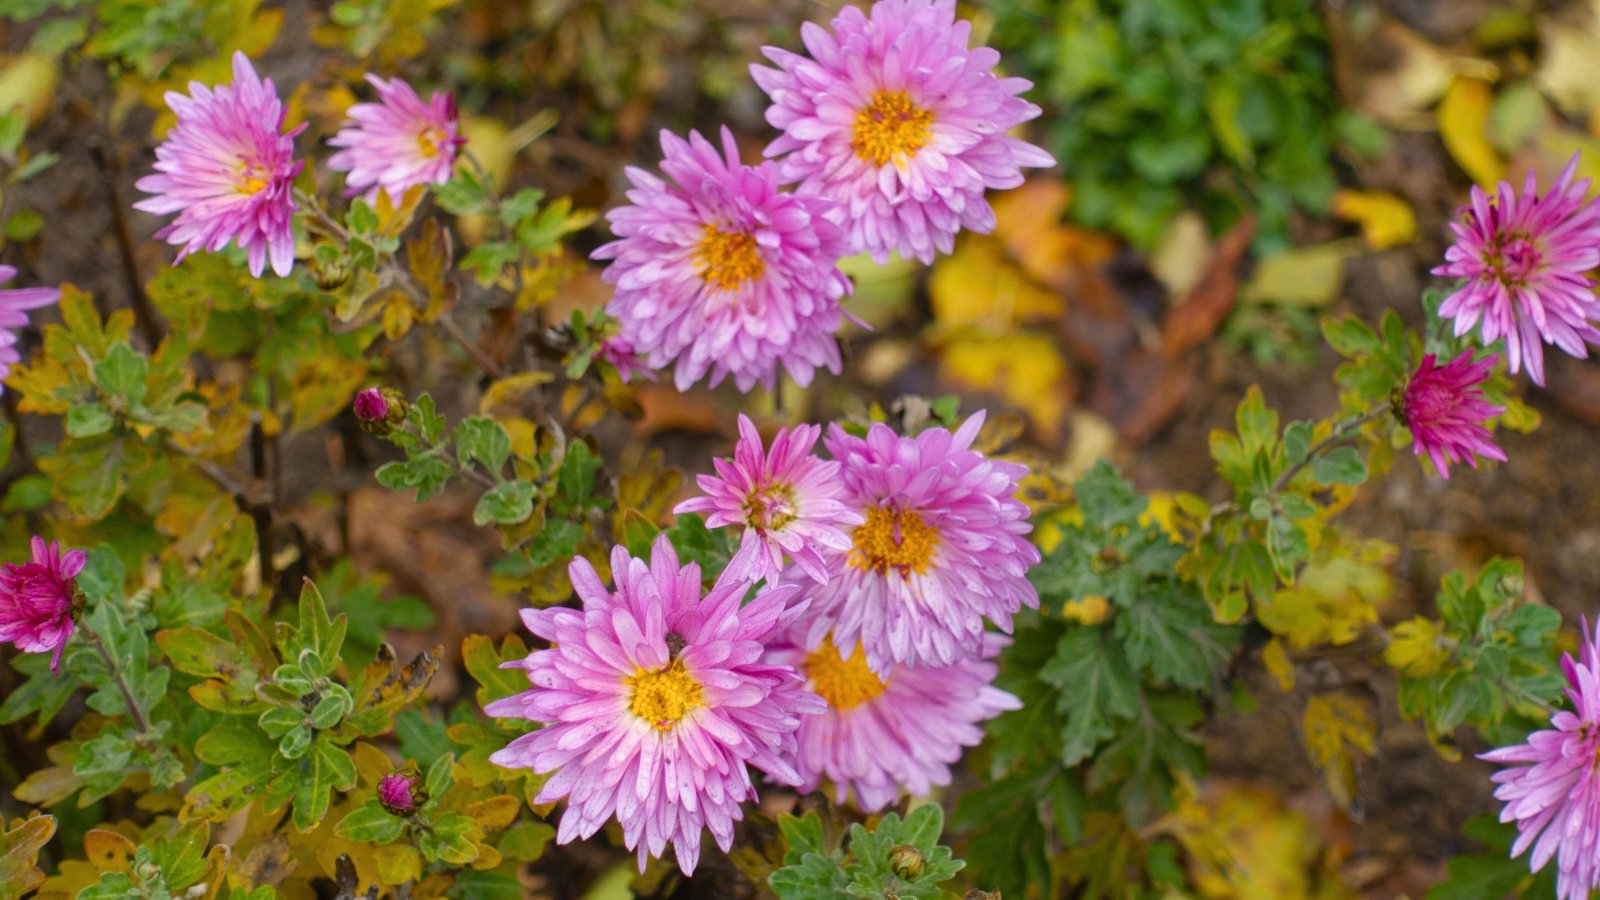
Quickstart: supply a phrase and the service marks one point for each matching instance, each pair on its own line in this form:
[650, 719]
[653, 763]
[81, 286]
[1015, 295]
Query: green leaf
[325, 768]
[481, 439]
[88, 419]
[525, 841]
[1341, 465]
[505, 504]
[316, 632]
[575, 480]
[428, 475]
[447, 840]
[1097, 687]
[122, 374]
[1169, 634]
[182, 855]
[129, 649]
[483, 663]
[437, 780]
[370, 823]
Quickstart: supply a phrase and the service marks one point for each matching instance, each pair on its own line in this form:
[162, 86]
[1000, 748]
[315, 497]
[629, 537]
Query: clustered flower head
[942, 549]
[1445, 410]
[1526, 260]
[38, 599]
[1551, 784]
[227, 170]
[657, 702]
[786, 500]
[903, 125]
[14, 306]
[398, 142]
[721, 273]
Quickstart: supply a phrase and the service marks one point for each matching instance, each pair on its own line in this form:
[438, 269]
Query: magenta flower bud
[38, 600]
[380, 409]
[401, 793]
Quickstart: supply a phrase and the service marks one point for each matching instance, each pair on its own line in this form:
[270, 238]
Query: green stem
[134, 712]
[1342, 432]
[470, 472]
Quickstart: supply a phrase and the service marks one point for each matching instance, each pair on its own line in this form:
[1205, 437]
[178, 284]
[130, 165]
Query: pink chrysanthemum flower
[724, 273]
[942, 548]
[900, 731]
[898, 121]
[656, 702]
[14, 306]
[1526, 260]
[398, 142]
[1551, 785]
[37, 600]
[1445, 410]
[227, 170]
[785, 500]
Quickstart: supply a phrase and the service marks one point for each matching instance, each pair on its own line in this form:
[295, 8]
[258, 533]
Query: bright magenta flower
[893, 117]
[943, 548]
[37, 600]
[1551, 785]
[401, 793]
[227, 170]
[656, 702]
[1446, 412]
[786, 501]
[1526, 260]
[723, 273]
[14, 306]
[901, 731]
[398, 142]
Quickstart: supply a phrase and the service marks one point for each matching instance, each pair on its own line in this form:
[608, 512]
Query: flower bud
[380, 409]
[330, 275]
[401, 793]
[907, 862]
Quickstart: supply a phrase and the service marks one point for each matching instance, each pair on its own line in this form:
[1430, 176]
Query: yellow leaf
[1244, 844]
[1309, 277]
[1569, 64]
[505, 396]
[1414, 648]
[1337, 728]
[1024, 368]
[1464, 128]
[1276, 658]
[979, 284]
[108, 850]
[1386, 220]
[1331, 604]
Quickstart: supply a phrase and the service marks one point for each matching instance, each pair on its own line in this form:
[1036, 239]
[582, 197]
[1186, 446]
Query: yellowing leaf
[107, 850]
[19, 850]
[1464, 128]
[1310, 277]
[1331, 603]
[1337, 728]
[1024, 368]
[398, 863]
[1244, 844]
[1386, 220]
[1276, 658]
[1414, 648]
[979, 284]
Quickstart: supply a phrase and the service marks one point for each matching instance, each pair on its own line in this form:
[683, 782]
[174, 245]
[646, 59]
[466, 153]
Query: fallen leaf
[1024, 368]
[1309, 277]
[1385, 219]
[1464, 128]
[1200, 313]
[1338, 732]
[1183, 254]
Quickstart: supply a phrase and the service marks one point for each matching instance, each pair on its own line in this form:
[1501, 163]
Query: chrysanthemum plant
[797, 655]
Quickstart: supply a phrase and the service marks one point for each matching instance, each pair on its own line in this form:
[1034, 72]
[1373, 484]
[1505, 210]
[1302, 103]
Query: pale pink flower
[898, 121]
[656, 702]
[785, 501]
[14, 306]
[1526, 261]
[721, 272]
[898, 732]
[398, 142]
[1551, 784]
[944, 547]
[227, 170]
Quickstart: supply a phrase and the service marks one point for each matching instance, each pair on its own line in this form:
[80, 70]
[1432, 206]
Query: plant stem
[134, 712]
[469, 472]
[1340, 433]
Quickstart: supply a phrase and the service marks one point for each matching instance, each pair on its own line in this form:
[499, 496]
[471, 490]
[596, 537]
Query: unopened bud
[380, 409]
[907, 862]
[401, 793]
[330, 275]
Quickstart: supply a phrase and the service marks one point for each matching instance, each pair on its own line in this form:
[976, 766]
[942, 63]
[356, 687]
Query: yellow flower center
[844, 683]
[664, 696]
[728, 259]
[428, 141]
[893, 538]
[770, 509]
[890, 127]
[253, 178]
